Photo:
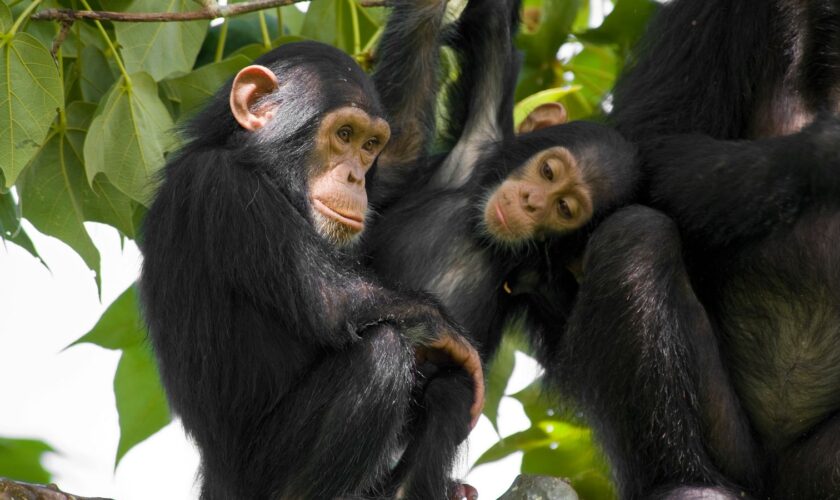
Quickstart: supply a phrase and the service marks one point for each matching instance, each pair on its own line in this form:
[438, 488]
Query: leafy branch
[211, 10]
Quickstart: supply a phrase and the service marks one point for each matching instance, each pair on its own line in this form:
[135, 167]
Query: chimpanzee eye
[564, 209]
[371, 144]
[344, 133]
[547, 172]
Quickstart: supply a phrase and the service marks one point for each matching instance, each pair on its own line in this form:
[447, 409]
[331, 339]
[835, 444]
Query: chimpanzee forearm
[480, 104]
[723, 192]
[406, 76]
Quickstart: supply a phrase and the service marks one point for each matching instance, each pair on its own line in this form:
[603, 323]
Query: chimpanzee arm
[480, 103]
[406, 77]
[721, 192]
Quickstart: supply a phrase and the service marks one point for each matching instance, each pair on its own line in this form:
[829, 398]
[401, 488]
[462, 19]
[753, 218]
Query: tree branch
[210, 11]
[25, 491]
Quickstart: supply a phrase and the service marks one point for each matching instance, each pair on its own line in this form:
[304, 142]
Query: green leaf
[96, 75]
[555, 19]
[52, 191]
[625, 24]
[141, 403]
[129, 137]
[160, 49]
[500, 370]
[321, 21]
[10, 228]
[521, 441]
[30, 93]
[497, 378]
[120, 326]
[530, 103]
[6, 19]
[20, 460]
[194, 89]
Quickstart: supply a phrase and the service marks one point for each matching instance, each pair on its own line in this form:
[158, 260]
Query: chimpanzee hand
[448, 348]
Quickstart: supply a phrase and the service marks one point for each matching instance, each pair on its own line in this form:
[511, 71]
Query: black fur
[705, 342]
[432, 237]
[291, 368]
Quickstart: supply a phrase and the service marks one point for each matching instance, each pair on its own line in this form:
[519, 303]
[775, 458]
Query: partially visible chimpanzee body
[466, 219]
[295, 372]
[705, 340]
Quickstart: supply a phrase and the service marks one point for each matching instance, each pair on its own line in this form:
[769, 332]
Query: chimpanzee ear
[544, 115]
[250, 84]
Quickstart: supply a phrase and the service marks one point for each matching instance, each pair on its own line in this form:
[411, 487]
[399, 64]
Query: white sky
[66, 398]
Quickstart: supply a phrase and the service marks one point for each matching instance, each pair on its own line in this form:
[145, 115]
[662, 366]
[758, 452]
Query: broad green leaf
[624, 25]
[141, 402]
[120, 326]
[161, 49]
[550, 23]
[20, 460]
[96, 75]
[6, 20]
[521, 441]
[242, 31]
[331, 21]
[292, 20]
[30, 93]
[594, 69]
[530, 103]
[500, 369]
[194, 89]
[51, 192]
[129, 136]
[10, 228]
[320, 21]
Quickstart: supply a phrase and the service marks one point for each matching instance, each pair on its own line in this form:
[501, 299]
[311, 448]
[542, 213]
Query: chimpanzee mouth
[353, 222]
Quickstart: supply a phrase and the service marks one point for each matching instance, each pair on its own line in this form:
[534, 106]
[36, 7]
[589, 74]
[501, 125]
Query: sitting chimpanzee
[705, 341]
[295, 372]
[466, 219]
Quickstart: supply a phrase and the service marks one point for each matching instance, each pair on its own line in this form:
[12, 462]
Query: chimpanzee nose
[355, 175]
[533, 200]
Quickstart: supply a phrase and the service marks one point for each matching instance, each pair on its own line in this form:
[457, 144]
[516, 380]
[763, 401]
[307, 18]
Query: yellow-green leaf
[193, 89]
[20, 459]
[530, 103]
[30, 93]
[141, 402]
[161, 49]
[129, 136]
[120, 326]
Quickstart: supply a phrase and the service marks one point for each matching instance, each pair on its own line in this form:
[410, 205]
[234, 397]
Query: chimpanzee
[468, 218]
[295, 372]
[705, 341]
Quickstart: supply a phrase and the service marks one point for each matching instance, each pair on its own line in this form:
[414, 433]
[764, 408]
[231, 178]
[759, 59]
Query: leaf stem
[220, 46]
[23, 16]
[264, 29]
[279, 21]
[357, 37]
[110, 45]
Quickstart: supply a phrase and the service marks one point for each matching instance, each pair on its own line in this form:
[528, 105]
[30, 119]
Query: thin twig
[59, 39]
[209, 12]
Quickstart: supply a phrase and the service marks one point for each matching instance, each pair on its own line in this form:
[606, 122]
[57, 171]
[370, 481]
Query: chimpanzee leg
[811, 467]
[333, 435]
[441, 423]
[641, 357]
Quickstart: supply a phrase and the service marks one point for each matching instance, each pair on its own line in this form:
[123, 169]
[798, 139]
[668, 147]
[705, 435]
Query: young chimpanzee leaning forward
[465, 220]
[295, 373]
[705, 340]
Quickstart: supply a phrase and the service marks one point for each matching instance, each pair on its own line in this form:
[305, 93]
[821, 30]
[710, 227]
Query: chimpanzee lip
[501, 216]
[353, 222]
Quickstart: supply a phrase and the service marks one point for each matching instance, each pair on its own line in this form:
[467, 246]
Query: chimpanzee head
[311, 118]
[555, 178]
